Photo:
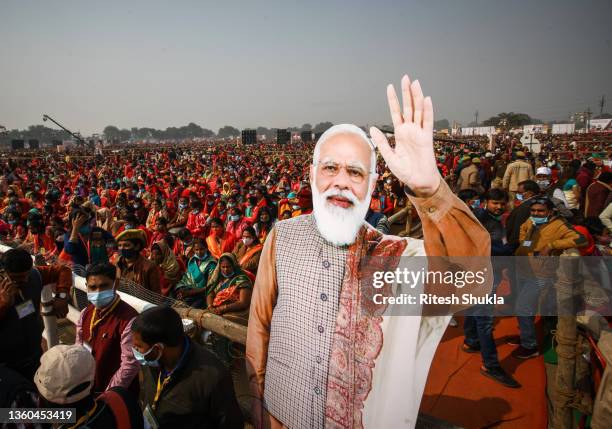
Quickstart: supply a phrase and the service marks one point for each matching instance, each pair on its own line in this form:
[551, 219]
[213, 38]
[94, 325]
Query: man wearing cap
[314, 358]
[517, 171]
[543, 178]
[104, 329]
[469, 178]
[65, 379]
[486, 167]
[132, 265]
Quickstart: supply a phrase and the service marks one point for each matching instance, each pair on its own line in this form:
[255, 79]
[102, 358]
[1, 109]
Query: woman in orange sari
[248, 250]
[219, 241]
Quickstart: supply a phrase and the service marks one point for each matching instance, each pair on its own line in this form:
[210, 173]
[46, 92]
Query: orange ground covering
[458, 393]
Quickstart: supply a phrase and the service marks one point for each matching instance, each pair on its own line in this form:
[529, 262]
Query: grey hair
[345, 129]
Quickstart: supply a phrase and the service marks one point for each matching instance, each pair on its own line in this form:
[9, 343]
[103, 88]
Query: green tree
[512, 119]
[111, 132]
[124, 135]
[441, 124]
[321, 127]
[228, 131]
[268, 132]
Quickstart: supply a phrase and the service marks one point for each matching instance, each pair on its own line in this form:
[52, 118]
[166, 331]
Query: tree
[512, 120]
[263, 131]
[321, 127]
[306, 127]
[124, 135]
[228, 131]
[206, 133]
[192, 130]
[111, 132]
[441, 124]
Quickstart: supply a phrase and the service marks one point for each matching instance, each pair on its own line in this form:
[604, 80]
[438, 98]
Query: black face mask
[129, 253]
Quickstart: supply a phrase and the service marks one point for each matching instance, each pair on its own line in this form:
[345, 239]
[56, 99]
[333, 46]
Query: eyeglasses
[332, 169]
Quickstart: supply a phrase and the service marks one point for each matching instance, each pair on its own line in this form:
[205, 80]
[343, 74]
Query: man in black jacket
[185, 385]
[527, 190]
[478, 325]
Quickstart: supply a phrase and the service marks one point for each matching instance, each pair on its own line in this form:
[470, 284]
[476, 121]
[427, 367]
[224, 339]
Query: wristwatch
[61, 295]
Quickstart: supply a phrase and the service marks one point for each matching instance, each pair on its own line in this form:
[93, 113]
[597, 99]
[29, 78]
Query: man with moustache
[314, 359]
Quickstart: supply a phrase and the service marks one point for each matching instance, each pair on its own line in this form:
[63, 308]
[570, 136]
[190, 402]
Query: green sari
[227, 290]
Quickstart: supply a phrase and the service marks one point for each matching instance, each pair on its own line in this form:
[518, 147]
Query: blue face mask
[228, 276]
[12, 222]
[475, 204]
[182, 206]
[140, 357]
[519, 197]
[539, 220]
[101, 299]
[235, 218]
[85, 229]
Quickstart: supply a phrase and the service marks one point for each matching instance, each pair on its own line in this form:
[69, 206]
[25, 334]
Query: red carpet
[456, 391]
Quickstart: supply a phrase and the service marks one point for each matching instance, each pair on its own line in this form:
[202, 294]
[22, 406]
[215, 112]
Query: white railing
[50, 322]
[234, 331]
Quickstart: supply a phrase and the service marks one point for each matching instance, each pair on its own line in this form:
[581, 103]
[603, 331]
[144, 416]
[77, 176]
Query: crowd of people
[189, 222]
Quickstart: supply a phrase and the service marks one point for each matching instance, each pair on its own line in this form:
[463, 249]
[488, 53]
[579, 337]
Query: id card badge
[527, 243]
[150, 421]
[25, 309]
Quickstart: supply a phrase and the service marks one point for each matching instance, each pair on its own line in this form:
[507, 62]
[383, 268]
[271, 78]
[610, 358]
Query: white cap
[488, 155]
[544, 170]
[62, 368]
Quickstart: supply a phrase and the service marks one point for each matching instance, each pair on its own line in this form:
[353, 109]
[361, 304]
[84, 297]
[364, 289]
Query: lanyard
[161, 384]
[160, 388]
[93, 322]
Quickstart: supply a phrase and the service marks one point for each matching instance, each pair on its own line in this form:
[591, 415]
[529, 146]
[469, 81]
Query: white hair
[345, 129]
[338, 225]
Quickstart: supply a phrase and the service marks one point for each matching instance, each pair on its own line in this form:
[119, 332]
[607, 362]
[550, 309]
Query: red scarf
[358, 336]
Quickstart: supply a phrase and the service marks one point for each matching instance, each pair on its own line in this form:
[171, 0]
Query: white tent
[563, 128]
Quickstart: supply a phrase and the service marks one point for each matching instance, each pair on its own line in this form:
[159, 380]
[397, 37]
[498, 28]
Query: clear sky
[284, 63]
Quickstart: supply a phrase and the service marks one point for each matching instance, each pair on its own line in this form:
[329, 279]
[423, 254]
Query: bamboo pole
[567, 278]
[219, 325]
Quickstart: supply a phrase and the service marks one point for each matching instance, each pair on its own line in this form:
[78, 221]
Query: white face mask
[247, 241]
[543, 184]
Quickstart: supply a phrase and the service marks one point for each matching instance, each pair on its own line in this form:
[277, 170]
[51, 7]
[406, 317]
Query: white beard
[336, 224]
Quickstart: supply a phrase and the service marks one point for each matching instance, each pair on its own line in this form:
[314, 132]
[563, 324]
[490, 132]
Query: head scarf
[169, 264]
